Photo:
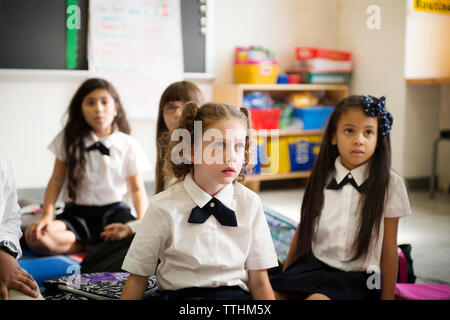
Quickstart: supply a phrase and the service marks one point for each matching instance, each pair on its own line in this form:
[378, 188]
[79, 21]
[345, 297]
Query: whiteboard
[137, 46]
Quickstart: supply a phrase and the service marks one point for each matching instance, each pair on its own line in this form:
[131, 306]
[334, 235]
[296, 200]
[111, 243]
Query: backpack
[405, 265]
[106, 256]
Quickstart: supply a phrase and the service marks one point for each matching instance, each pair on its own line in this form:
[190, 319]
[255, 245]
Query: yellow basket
[262, 73]
[278, 152]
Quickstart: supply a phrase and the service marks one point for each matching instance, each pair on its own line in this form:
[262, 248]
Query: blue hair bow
[375, 108]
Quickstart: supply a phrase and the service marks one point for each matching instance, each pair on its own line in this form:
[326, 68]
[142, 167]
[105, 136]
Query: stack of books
[325, 66]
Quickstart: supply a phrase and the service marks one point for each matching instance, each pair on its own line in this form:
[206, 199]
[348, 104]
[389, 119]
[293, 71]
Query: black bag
[106, 256]
[405, 265]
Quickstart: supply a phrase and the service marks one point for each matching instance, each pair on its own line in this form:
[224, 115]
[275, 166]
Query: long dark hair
[184, 91]
[76, 129]
[372, 200]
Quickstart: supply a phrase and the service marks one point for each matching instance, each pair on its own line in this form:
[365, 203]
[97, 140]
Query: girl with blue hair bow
[345, 246]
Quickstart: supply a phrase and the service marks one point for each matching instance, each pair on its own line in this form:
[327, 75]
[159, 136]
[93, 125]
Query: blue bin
[303, 152]
[313, 117]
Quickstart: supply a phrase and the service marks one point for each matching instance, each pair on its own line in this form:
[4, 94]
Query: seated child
[208, 230]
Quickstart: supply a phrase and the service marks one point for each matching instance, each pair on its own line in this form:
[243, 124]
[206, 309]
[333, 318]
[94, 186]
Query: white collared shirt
[104, 181]
[338, 222]
[9, 208]
[201, 255]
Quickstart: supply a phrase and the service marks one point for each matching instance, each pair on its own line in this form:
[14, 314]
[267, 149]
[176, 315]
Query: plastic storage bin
[265, 118]
[277, 151]
[313, 117]
[262, 72]
[303, 151]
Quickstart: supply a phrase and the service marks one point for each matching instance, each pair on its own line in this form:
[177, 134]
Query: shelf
[288, 133]
[277, 176]
[428, 80]
[290, 87]
[234, 93]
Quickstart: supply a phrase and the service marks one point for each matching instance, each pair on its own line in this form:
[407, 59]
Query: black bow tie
[214, 207]
[100, 147]
[348, 179]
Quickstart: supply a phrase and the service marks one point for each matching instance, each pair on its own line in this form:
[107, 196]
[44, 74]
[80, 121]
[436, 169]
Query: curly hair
[208, 114]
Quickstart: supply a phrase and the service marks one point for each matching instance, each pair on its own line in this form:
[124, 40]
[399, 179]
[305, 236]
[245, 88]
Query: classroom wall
[444, 148]
[32, 105]
[427, 44]
[427, 55]
[32, 108]
[378, 57]
[278, 25]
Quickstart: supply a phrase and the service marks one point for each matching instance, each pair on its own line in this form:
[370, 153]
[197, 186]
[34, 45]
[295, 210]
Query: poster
[137, 46]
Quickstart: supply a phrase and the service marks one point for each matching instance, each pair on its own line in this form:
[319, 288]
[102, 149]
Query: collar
[107, 141]
[359, 174]
[201, 198]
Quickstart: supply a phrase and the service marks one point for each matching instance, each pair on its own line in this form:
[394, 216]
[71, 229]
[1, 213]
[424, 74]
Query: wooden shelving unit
[234, 93]
[428, 80]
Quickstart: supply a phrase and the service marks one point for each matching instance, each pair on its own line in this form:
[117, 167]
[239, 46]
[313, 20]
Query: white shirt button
[350, 176]
[215, 284]
[212, 204]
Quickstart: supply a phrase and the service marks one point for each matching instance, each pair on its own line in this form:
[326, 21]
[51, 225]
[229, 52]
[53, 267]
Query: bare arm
[138, 193]
[134, 288]
[259, 285]
[54, 187]
[51, 195]
[389, 259]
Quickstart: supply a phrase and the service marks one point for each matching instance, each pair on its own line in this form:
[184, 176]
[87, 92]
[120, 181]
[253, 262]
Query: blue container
[282, 78]
[303, 152]
[313, 117]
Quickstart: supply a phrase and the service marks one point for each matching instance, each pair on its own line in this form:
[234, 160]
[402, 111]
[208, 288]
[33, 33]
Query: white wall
[428, 106]
[443, 169]
[279, 25]
[31, 106]
[427, 44]
[378, 60]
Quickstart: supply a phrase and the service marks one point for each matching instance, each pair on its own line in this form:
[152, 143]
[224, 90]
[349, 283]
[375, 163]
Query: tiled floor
[427, 229]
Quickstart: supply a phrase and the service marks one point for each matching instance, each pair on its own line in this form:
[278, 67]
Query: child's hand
[13, 276]
[37, 229]
[116, 231]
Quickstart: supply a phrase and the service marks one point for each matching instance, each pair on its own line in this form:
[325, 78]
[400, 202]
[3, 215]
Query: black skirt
[195, 293]
[87, 222]
[308, 275]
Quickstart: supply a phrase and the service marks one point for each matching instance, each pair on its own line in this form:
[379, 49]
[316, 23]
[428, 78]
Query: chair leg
[433, 168]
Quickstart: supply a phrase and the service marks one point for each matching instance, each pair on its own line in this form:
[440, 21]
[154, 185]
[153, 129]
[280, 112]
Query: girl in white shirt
[349, 217]
[171, 105]
[208, 231]
[96, 162]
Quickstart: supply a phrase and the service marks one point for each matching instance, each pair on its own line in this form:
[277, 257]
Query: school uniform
[9, 208]
[168, 182]
[328, 269]
[202, 259]
[10, 231]
[110, 160]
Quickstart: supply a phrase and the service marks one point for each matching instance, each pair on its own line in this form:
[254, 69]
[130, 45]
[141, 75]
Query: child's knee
[317, 296]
